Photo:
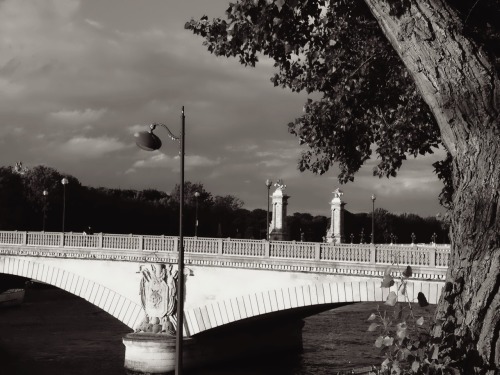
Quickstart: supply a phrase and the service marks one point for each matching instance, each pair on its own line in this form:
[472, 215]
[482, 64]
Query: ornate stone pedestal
[278, 230]
[335, 234]
[149, 353]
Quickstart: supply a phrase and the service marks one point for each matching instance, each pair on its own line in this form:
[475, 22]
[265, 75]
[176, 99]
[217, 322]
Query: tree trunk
[461, 87]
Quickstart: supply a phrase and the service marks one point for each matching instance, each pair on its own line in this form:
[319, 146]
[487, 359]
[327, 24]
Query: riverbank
[54, 333]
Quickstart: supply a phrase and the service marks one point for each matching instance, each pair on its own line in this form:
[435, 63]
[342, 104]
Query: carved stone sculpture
[158, 290]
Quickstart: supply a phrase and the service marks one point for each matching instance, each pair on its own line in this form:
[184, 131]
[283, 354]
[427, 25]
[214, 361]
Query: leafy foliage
[336, 51]
[410, 344]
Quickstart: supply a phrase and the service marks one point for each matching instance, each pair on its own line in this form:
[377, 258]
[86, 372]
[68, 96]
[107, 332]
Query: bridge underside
[298, 302]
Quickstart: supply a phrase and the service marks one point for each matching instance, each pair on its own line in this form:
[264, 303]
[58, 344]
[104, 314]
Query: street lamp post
[433, 238]
[268, 184]
[373, 218]
[45, 193]
[196, 195]
[149, 141]
[64, 182]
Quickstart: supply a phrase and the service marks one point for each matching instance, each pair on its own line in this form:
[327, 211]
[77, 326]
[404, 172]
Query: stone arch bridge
[227, 280]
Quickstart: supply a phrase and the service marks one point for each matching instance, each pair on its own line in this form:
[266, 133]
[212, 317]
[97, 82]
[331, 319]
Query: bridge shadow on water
[54, 332]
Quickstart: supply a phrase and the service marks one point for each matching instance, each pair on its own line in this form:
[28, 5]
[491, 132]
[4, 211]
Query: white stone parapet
[139, 248]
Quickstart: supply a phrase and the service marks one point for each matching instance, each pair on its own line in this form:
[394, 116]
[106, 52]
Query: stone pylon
[277, 229]
[336, 231]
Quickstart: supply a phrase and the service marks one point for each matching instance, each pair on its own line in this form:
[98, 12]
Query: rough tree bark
[462, 89]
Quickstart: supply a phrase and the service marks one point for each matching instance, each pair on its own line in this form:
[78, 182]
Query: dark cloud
[78, 78]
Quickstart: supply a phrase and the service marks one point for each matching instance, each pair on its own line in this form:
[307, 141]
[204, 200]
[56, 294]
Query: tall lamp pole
[64, 182]
[268, 184]
[373, 218]
[150, 142]
[196, 195]
[45, 193]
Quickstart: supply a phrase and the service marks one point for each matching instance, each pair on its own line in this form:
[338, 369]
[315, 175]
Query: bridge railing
[347, 253]
[418, 255]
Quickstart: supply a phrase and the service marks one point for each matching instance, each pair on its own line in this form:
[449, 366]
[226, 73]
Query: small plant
[409, 344]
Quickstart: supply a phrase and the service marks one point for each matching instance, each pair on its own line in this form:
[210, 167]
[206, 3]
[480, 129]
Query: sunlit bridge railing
[201, 245]
[11, 238]
[416, 255]
[254, 248]
[159, 243]
[346, 253]
[292, 250]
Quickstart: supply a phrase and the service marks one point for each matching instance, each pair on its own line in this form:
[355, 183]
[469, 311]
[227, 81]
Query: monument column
[335, 233]
[277, 229]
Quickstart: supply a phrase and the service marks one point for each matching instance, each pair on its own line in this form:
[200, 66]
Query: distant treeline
[23, 206]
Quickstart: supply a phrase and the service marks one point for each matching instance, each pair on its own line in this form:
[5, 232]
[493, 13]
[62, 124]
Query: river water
[56, 333]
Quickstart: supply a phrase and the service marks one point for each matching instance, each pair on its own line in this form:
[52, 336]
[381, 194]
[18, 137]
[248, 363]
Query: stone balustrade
[415, 255]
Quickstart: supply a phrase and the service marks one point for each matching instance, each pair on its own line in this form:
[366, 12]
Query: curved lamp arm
[170, 134]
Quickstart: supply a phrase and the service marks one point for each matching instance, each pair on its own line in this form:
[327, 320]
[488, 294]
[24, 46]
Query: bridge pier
[147, 353]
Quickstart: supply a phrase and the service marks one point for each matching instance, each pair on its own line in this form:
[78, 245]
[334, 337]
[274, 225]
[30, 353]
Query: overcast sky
[79, 77]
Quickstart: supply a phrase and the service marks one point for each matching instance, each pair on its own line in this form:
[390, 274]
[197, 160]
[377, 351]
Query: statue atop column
[277, 229]
[158, 290]
[335, 233]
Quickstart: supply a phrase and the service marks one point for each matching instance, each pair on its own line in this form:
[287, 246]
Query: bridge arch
[122, 308]
[232, 310]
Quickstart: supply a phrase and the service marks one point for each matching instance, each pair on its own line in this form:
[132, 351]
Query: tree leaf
[435, 352]
[388, 271]
[388, 341]
[395, 369]
[437, 330]
[422, 301]
[379, 341]
[280, 3]
[402, 288]
[392, 298]
[387, 282]
[408, 272]
[415, 366]
[420, 321]
[373, 316]
[385, 365]
[401, 330]
[373, 327]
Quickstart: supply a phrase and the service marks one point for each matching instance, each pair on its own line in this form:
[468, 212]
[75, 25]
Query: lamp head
[45, 193]
[64, 181]
[196, 194]
[373, 197]
[268, 183]
[147, 140]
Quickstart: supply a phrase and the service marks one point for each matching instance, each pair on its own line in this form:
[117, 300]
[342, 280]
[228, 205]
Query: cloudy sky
[79, 77]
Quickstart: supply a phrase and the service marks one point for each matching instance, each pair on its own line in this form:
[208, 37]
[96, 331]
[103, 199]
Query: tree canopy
[367, 97]
[368, 103]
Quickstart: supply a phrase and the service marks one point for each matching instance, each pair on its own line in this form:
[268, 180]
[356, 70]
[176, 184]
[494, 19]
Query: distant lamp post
[413, 237]
[373, 218]
[64, 182]
[352, 237]
[196, 195]
[45, 193]
[268, 184]
[433, 238]
[362, 236]
[150, 142]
